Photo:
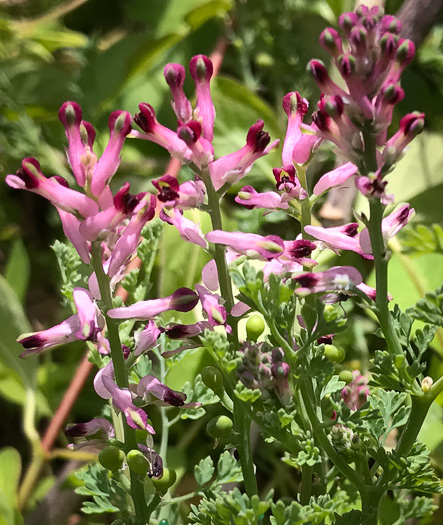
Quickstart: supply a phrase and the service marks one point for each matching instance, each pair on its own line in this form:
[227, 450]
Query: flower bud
[138, 462]
[336, 354]
[255, 327]
[426, 384]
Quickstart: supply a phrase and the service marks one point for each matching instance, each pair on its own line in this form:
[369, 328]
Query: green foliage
[69, 263]
[198, 392]
[315, 513]
[229, 508]
[429, 309]
[421, 240]
[106, 493]
[228, 471]
[10, 467]
[392, 411]
[413, 472]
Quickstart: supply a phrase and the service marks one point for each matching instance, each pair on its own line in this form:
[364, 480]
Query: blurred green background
[110, 54]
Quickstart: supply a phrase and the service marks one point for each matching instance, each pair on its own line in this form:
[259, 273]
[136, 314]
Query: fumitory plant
[266, 310]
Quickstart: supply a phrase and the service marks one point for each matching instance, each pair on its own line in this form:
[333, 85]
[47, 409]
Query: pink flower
[252, 199]
[335, 177]
[152, 391]
[251, 244]
[338, 278]
[188, 230]
[175, 77]
[216, 313]
[182, 300]
[201, 71]
[343, 237]
[54, 189]
[390, 226]
[232, 168]
[147, 338]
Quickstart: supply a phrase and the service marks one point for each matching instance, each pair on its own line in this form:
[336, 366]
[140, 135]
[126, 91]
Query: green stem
[355, 478]
[306, 218]
[164, 416]
[219, 255]
[370, 504]
[121, 377]
[306, 484]
[242, 426]
[381, 277]
[419, 409]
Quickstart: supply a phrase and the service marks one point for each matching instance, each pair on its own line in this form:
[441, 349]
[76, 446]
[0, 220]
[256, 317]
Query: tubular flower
[344, 237]
[182, 300]
[251, 244]
[337, 279]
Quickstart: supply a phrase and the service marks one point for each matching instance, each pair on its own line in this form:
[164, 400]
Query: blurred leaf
[18, 268]
[422, 239]
[13, 322]
[10, 467]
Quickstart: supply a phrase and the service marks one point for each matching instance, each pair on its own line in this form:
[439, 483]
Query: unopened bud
[427, 383]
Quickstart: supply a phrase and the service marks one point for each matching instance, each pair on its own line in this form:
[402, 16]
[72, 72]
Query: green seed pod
[346, 376]
[166, 481]
[219, 427]
[336, 354]
[212, 378]
[111, 458]
[138, 462]
[255, 326]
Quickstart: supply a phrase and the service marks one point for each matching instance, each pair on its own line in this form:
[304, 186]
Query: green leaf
[200, 393]
[333, 386]
[429, 309]
[393, 412]
[10, 468]
[228, 469]
[13, 322]
[204, 471]
[422, 240]
[18, 268]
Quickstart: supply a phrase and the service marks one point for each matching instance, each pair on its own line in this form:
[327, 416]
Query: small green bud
[166, 481]
[398, 361]
[255, 326]
[212, 378]
[111, 458]
[336, 354]
[426, 384]
[138, 462]
[346, 376]
[219, 427]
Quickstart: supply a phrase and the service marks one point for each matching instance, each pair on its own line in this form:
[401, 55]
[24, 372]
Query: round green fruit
[111, 458]
[219, 427]
[255, 326]
[336, 354]
[138, 462]
[166, 481]
[346, 376]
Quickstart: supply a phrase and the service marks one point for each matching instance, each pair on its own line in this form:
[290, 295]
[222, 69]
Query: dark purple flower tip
[333, 106]
[156, 470]
[70, 114]
[30, 173]
[301, 248]
[393, 94]
[168, 187]
[351, 229]
[61, 180]
[307, 280]
[413, 123]
[124, 201]
[184, 300]
[33, 341]
[146, 119]
[257, 139]
[175, 399]
[190, 132]
[183, 331]
[149, 212]
[318, 71]
[174, 75]
[325, 339]
[389, 45]
[201, 68]
[120, 122]
[330, 40]
[405, 52]
[347, 21]
[87, 133]
[358, 37]
[346, 65]
[322, 120]
[294, 103]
